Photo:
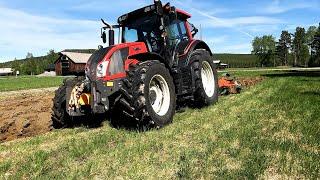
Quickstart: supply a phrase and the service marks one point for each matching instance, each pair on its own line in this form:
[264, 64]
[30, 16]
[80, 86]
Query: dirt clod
[26, 124]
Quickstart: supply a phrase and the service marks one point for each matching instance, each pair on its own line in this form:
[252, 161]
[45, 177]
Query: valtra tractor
[156, 65]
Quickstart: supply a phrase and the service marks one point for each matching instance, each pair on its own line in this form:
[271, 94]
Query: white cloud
[292, 27]
[263, 28]
[116, 7]
[241, 21]
[23, 32]
[278, 6]
[242, 48]
[234, 23]
[216, 40]
[210, 7]
[238, 24]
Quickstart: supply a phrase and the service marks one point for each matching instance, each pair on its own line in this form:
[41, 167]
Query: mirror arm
[106, 24]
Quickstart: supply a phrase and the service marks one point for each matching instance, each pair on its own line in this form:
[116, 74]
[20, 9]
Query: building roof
[78, 58]
[6, 71]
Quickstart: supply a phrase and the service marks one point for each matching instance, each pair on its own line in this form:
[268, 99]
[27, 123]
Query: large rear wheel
[148, 96]
[206, 79]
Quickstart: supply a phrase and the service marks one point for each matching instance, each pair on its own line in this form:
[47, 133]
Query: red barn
[71, 63]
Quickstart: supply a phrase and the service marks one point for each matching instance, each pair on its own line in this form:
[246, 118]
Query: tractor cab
[161, 30]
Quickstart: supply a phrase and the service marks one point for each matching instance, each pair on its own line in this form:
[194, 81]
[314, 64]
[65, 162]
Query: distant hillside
[32, 65]
[37, 65]
[81, 50]
[238, 60]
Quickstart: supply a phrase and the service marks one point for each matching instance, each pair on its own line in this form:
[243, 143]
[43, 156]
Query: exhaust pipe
[111, 33]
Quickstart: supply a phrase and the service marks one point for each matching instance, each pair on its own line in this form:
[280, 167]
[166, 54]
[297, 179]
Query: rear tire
[59, 116]
[206, 79]
[148, 96]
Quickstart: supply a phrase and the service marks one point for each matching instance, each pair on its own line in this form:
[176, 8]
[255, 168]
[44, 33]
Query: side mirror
[104, 37]
[194, 32]
[111, 37]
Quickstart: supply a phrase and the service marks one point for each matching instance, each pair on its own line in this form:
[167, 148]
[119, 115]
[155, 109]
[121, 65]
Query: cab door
[178, 37]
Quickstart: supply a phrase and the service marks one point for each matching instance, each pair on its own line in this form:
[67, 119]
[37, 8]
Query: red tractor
[155, 66]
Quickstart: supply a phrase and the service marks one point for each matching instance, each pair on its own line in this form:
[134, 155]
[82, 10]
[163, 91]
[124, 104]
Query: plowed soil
[28, 113]
[247, 82]
[25, 113]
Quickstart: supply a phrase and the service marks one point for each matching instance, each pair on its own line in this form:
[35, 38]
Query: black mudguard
[184, 56]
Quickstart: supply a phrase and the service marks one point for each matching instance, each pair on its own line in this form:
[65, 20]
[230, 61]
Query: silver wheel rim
[208, 80]
[159, 95]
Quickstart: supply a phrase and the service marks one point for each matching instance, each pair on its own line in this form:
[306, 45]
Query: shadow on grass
[311, 93]
[294, 73]
[89, 121]
[119, 120]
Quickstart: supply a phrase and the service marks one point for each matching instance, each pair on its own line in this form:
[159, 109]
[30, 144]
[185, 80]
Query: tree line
[36, 65]
[301, 48]
[238, 60]
[32, 65]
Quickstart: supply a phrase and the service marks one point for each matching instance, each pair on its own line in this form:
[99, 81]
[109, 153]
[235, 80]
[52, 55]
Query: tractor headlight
[102, 69]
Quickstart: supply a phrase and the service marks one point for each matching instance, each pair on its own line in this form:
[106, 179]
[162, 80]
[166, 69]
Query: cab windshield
[145, 30]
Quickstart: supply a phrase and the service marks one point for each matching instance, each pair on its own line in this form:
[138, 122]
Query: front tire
[59, 116]
[205, 77]
[148, 96]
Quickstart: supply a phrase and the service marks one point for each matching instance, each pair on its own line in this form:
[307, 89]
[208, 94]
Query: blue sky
[37, 26]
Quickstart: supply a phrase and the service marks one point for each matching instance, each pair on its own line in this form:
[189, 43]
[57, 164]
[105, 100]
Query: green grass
[269, 131]
[28, 82]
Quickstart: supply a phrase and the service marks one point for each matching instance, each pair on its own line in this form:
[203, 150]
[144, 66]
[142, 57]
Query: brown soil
[25, 114]
[248, 82]
[28, 113]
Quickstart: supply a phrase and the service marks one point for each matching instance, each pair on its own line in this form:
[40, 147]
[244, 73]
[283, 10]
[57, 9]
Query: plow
[142, 76]
[229, 85]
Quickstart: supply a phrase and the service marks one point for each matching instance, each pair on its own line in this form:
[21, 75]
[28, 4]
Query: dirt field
[27, 113]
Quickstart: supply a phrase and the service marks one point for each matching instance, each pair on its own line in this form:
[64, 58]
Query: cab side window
[130, 35]
[177, 32]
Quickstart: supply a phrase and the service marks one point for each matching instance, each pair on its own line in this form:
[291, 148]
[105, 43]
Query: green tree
[264, 47]
[15, 65]
[283, 46]
[51, 57]
[312, 30]
[29, 55]
[305, 55]
[300, 47]
[315, 49]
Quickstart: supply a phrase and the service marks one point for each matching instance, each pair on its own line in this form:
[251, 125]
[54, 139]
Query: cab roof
[146, 11]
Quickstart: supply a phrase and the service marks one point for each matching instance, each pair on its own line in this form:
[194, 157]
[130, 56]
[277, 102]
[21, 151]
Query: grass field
[269, 131]
[28, 82]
